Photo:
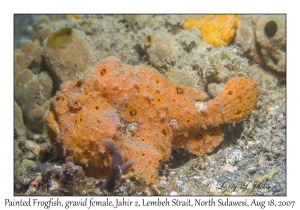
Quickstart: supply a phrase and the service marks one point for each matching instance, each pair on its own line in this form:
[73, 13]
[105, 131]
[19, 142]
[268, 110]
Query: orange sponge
[215, 29]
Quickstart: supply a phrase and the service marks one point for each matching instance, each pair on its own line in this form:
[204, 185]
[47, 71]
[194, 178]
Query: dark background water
[22, 28]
